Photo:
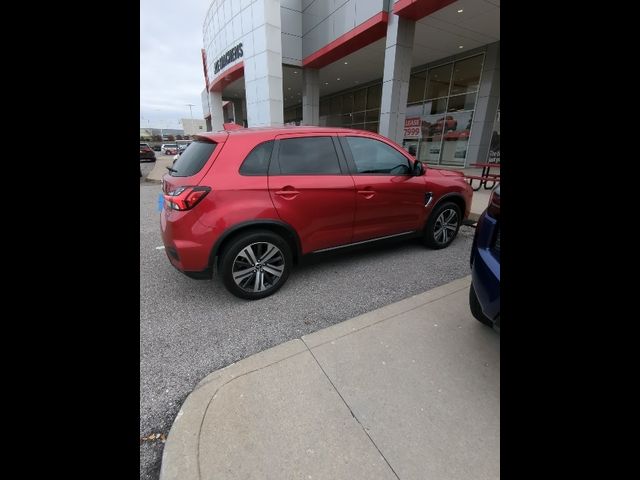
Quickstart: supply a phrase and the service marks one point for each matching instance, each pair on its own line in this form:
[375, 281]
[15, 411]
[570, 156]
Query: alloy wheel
[445, 226]
[258, 267]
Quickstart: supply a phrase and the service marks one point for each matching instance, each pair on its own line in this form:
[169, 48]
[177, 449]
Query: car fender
[255, 223]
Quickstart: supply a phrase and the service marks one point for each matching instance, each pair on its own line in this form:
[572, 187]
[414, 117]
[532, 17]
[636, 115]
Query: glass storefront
[358, 109]
[440, 110]
[293, 115]
[440, 107]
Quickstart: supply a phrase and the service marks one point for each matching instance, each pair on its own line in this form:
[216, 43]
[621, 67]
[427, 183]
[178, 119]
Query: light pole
[190, 111]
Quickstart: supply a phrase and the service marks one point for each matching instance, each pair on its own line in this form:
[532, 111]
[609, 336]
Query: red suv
[251, 202]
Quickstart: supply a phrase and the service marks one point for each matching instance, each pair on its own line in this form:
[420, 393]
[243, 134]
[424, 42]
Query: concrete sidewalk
[160, 168]
[410, 391]
[479, 203]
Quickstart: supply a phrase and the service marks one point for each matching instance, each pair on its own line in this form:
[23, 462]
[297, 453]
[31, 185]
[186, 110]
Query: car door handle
[368, 193]
[288, 192]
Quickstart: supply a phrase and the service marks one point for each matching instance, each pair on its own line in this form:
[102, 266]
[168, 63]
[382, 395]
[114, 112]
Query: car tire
[476, 309]
[443, 225]
[244, 253]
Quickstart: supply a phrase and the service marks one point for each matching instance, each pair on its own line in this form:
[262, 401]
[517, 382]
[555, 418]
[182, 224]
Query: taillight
[494, 203]
[185, 198]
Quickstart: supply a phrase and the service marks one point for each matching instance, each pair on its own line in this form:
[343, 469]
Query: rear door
[390, 200]
[312, 190]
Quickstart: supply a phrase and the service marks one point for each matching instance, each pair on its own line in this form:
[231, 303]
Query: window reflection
[445, 115]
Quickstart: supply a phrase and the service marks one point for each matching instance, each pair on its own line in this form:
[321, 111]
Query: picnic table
[485, 176]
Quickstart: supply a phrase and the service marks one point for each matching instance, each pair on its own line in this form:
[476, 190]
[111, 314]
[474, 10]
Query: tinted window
[257, 162]
[372, 156]
[309, 155]
[193, 159]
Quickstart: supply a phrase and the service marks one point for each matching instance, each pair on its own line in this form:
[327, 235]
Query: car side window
[308, 156]
[257, 162]
[375, 157]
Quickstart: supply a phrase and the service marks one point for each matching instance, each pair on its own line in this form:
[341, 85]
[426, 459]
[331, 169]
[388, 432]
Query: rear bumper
[188, 243]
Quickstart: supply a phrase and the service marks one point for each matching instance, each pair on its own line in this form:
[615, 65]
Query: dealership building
[424, 73]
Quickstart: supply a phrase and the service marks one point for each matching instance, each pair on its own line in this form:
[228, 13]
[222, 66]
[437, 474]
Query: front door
[389, 199]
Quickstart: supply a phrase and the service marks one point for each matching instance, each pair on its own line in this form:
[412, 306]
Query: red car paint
[319, 211]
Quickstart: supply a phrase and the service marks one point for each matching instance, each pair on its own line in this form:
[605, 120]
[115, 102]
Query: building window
[359, 109]
[438, 121]
[438, 81]
[417, 84]
[494, 147]
[293, 115]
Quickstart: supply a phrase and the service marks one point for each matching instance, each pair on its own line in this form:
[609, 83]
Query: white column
[486, 107]
[395, 80]
[217, 116]
[310, 96]
[263, 66]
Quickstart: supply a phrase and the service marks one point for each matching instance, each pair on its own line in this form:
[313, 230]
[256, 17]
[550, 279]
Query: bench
[485, 176]
[483, 180]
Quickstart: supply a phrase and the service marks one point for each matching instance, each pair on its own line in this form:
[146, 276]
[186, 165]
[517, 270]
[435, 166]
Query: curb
[181, 450]
[180, 458]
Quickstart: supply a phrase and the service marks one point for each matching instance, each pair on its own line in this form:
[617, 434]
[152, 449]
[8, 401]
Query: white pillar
[395, 80]
[310, 96]
[486, 107]
[263, 66]
[217, 116]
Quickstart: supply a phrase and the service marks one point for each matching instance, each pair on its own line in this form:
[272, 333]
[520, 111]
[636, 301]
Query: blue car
[484, 294]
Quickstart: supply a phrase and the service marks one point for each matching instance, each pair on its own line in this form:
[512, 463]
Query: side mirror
[418, 168]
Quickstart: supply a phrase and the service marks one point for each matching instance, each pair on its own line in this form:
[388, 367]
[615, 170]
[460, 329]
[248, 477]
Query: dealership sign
[233, 54]
[412, 127]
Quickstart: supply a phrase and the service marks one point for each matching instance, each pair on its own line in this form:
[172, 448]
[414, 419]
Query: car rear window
[193, 159]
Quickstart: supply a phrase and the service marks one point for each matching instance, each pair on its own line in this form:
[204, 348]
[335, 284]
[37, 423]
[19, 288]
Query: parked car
[156, 148]
[146, 154]
[252, 202]
[183, 146]
[169, 148]
[484, 294]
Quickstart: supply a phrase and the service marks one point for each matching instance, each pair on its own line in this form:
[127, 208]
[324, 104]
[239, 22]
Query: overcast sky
[171, 73]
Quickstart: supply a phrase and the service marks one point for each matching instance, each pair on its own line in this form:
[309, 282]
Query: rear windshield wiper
[172, 170]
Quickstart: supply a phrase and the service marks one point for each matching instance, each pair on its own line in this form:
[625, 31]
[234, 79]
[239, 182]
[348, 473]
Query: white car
[169, 148]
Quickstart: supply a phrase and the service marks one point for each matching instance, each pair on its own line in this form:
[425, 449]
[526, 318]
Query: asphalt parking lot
[189, 328]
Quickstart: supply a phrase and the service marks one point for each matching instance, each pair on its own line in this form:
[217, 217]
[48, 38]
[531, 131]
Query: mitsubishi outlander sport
[249, 203]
